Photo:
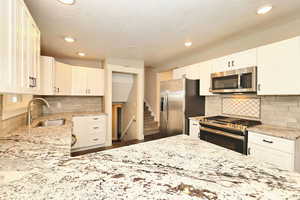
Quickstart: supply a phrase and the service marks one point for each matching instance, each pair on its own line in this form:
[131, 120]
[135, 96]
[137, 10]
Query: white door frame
[108, 70]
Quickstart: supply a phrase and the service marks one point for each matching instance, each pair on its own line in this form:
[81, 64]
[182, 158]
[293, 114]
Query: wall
[121, 86]
[139, 71]
[81, 62]
[129, 110]
[151, 87]
[277, 30]
[125, 62]
[18, 121]
[60, 104]
[275, 110]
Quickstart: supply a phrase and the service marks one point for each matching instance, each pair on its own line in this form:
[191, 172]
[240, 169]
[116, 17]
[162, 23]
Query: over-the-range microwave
[234, 81]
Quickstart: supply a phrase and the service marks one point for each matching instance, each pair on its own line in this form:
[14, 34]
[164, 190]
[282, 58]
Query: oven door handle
[226, 134]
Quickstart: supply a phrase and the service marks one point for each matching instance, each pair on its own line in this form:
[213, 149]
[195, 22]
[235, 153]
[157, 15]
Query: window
[14, 105]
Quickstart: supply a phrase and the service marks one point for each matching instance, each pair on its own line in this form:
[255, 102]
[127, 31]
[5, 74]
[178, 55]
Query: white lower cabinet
[281, 152]
[194, 128]
[90, 132]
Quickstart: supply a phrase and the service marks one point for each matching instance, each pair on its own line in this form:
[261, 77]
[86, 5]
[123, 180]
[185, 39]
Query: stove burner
[231, 121]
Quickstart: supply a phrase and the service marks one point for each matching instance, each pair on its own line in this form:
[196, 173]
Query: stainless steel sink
[48, 123]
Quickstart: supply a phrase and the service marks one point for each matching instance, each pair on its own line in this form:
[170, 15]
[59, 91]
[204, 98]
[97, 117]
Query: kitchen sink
[49, 123]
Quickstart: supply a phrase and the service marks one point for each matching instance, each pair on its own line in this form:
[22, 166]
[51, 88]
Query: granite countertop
[37, 165]
[277, 131]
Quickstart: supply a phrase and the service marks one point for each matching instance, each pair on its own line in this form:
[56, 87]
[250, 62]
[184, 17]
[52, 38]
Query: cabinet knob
[232, 63]
[228, 63]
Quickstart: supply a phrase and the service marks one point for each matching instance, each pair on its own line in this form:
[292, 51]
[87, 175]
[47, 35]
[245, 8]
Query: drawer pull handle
[96, 127]
[267, 141]
[96, 118]
[96, 139]
[195, 124]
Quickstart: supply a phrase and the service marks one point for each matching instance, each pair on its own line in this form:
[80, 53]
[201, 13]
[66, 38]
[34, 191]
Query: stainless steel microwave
[234, 81]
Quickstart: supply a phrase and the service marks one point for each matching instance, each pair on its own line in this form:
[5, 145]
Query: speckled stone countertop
[277, 131]
[37, 165]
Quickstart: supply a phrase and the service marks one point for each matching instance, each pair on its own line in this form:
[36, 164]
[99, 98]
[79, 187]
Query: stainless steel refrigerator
[179, 100]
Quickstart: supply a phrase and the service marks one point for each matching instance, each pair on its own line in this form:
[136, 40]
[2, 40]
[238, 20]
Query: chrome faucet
[29, 117]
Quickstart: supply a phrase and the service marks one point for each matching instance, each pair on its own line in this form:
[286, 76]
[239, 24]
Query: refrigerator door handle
[167, 107]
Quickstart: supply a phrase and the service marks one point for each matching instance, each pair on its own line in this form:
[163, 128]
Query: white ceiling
[152, 30]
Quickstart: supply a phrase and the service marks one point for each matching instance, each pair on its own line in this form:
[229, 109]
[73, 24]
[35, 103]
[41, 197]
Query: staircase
[150, 126]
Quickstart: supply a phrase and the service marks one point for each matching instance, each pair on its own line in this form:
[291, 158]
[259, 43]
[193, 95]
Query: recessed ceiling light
[263, 10]
[81, 54]
[68, 2]
[69, 39]
[188, 44]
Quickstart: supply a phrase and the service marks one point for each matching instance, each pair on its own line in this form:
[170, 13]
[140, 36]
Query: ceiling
[154, 30]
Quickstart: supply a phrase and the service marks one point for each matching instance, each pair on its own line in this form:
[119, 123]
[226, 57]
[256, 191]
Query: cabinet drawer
[97, 138]
[281, 159]
[275, 143]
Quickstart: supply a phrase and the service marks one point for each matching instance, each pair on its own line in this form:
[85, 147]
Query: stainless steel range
[227, 132]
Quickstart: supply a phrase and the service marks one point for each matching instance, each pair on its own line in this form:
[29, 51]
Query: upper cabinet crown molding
[20, 52]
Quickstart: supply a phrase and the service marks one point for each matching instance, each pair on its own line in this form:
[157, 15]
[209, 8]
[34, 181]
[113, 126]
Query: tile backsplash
[60, 104]
[17, 121]
[244, 107]
[275, 110]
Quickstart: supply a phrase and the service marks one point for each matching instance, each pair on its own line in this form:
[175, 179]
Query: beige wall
[129, 110]
[275, 110]
[81, 62]
[60, 104]
[151, 87]
[281, 29]
[137, 70]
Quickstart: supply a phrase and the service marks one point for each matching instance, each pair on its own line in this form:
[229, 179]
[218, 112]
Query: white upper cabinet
[205, 69]
[63, 79]
[95, 81]
[47, 75]
[279, 68]
[234, 61]
[180, 72]
[20, 49]
[6, 72]
[79, 81]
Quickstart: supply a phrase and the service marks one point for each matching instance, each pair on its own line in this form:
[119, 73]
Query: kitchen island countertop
[36, 164]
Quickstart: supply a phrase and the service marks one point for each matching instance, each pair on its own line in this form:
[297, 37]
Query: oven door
[227, 140]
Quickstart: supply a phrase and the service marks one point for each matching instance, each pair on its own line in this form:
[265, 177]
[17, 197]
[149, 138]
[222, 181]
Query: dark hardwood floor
[117, 144]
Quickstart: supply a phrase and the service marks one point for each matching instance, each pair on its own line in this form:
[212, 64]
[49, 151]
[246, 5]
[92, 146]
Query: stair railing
[124, 133]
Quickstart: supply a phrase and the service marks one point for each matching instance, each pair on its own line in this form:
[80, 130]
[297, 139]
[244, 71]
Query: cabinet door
[205, 69]
[6, 72]
[279, 68]
[194, 128]
[95, 82]
[281, 159]
[79, 81]
[179, 73]
[63, 78]
[222, 64]
[244, 59]
[47, 75]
